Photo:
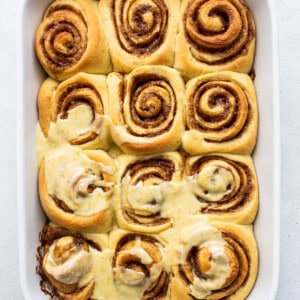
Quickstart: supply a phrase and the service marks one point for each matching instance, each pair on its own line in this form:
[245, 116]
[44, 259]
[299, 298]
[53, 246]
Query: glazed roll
[70, 39]
[146, 109]
[225, 185]
[214, 35]
[72, 112]
[140, 32]
[217, 261]
[67, 263]
[76, 188]
[138, 266]
[143, 190]
[221, 114]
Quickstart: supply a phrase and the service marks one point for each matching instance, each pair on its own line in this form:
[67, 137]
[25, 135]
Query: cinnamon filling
[140, 28]
[153, 106]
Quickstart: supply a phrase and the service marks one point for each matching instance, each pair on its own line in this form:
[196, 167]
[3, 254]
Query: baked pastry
[140, 32]
[216, 261]
[70, 39]
[221, 114]
[214, 35]
[138, 266]
[143, 191]
[225, 186]
[68, 262]
[146, 109]
[76, 188]
[72, 112]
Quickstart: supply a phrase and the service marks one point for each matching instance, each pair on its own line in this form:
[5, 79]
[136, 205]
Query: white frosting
[146, 198]
[80, 120]
[213, 183]
[69, 174]
[75, 266]
[202, 235]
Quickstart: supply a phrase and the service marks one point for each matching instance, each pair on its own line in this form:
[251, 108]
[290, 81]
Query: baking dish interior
[266, 155]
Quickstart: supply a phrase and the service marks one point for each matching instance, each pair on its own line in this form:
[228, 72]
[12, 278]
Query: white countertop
[288, 17]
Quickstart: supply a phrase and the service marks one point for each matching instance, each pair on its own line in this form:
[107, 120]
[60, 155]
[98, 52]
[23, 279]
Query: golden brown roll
[76, 188]
[67, 263]
[225, 185]
[221, 114]
[70, 39]
[146, 109]
[217, 261]
[138, 266]
[143, 190]
[72, 112]
[140, 32]
[214, 35]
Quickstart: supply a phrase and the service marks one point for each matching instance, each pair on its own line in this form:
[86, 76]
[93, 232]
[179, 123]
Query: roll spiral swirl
[226, 185]
[217, 262]
[143, 189]
[72, 112]
[216, 35]
[76, 189]
[63, 40]
[139, 262]
[140, 32]
[151, 117]
[65, 263]
[221, 114]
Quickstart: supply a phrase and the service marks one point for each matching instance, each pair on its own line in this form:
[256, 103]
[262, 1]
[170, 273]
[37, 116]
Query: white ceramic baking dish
[266, 156]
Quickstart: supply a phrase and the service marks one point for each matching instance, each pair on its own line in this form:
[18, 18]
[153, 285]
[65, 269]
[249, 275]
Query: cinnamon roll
[214, 35]
[146, 109]
[216, 261]
[72, 112]
[221, 113]
[140, 32]
[143, 190]
[76, 188]
[71, 39]
[225, 185]
[67, 263]
[138, 266]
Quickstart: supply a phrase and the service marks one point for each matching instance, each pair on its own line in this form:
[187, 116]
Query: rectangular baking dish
[266, 156]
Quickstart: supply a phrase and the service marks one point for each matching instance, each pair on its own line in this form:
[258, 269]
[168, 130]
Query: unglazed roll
[226, 186]
[138, 266]
[70, 39]
[76, 188]
[140, 32]
[67, 263]
[217, 261]
[221, 114]
[214, 35]
[146, 109]
[72, 112]
[143, 189]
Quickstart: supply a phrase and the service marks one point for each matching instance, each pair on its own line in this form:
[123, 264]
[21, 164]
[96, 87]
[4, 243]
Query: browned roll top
[238, 195]
[79, 94]
[221, 107]
[140, 26]
[152, 106]
[154, 171]
[198, 263]
[218, 30]
[159, 287]
[64, 38]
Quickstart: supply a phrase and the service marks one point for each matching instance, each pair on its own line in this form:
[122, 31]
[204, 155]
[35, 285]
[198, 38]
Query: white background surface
[288, 21]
